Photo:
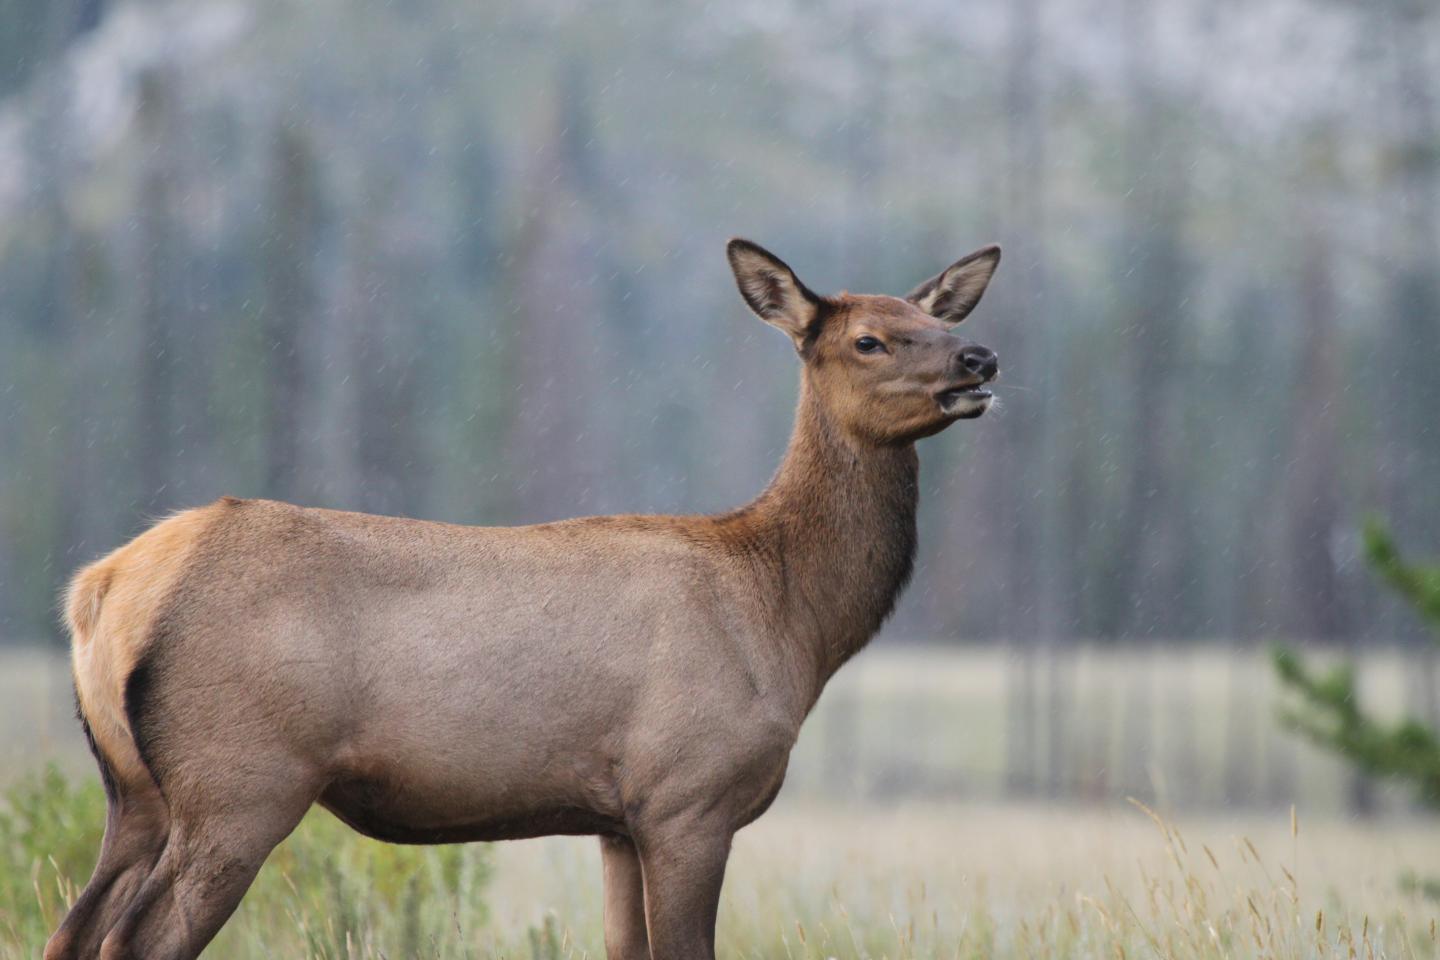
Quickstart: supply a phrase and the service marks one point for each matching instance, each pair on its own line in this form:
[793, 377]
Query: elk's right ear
[772, 290]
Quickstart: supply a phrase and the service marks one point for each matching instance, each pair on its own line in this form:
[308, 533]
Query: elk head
[886, 370]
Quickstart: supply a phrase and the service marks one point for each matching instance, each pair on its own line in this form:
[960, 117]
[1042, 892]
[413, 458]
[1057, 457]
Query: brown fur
[110, 608]
[640, 678]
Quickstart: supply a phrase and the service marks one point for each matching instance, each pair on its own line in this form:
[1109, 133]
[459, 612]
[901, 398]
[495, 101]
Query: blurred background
[463, 261]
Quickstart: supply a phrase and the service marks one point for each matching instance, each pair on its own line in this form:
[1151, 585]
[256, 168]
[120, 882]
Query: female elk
[641, 678]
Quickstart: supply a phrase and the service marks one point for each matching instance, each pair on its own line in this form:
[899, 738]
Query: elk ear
[950, 295]
[772, 290]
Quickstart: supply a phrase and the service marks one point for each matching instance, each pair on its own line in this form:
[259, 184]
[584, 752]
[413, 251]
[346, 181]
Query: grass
[1007, 882]
[848, 864]
[808, 881]
[324, 893]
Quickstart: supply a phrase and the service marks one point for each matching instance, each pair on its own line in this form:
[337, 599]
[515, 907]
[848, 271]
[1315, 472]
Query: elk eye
[869, 345]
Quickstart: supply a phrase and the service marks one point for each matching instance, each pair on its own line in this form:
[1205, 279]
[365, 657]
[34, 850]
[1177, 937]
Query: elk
[637, 678]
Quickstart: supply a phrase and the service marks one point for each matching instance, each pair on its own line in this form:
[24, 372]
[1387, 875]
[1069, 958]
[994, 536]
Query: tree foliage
[462, 262]
[1326, 706]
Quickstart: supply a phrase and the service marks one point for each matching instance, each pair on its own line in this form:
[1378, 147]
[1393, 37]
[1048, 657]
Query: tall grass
[1143, 893]
[903, 884]
[325, 893]
[49, 835]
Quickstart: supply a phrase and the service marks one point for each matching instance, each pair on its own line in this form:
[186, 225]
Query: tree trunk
[155, 281]
[289, 305]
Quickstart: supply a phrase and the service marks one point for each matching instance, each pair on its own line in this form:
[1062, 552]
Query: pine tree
[1326, 706]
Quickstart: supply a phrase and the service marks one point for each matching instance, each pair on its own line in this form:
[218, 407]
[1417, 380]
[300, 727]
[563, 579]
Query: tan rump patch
[83, 598]
[110, 607]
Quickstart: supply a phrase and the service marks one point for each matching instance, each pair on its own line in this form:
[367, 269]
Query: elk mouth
[964, 403]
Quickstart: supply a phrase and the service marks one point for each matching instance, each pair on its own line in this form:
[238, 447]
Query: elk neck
[834, 538]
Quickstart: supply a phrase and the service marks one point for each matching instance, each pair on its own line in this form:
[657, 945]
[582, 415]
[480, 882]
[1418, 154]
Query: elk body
[639, 678]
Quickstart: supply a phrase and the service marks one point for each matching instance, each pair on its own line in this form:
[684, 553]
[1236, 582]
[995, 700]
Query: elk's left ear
[950, 295]
[772, 290]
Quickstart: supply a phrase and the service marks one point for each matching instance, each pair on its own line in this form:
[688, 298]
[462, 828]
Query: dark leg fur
[136, 826]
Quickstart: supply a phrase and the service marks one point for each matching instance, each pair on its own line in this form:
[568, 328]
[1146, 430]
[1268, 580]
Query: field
[972, 880]
[899, 848]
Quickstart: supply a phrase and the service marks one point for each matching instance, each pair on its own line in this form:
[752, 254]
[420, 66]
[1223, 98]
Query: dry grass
[825, 874]
[968, 881]
[906, 882]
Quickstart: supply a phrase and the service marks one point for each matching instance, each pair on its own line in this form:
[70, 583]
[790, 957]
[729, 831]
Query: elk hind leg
[136, 827]
[215, 848]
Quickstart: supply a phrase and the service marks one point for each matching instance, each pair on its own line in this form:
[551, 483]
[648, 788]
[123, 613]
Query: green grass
[49, 836]
[806, 882]
[326, 892]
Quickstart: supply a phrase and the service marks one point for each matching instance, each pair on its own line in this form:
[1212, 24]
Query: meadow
[893, 839]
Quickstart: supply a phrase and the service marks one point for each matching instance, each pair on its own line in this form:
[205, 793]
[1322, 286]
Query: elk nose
[980, 361]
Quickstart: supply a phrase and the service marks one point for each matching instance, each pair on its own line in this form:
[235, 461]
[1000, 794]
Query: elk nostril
[979, 361]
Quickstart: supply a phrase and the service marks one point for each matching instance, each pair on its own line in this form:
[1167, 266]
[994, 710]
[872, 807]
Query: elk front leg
[625, 937]
[684, 868]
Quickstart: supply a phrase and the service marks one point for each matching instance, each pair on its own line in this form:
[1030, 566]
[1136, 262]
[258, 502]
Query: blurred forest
[463, 261]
